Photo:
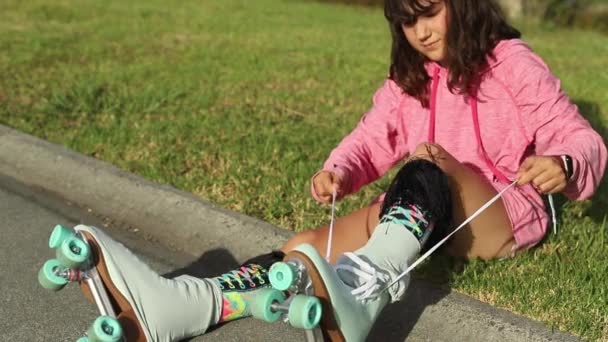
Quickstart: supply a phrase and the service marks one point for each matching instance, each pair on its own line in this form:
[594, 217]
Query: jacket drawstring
[433, 105]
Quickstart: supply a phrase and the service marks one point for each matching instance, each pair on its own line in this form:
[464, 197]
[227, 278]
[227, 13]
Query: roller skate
[298, 307]
[134, 302]
[416, 211]
[309, 294]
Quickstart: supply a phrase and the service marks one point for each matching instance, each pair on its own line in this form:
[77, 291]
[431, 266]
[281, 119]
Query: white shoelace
[553, 215]
[374, 283]
[331, 225]
[371, 280]
[434, 248]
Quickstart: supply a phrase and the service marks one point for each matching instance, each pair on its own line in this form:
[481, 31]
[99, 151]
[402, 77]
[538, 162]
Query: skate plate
[79, 259]
[294, 278]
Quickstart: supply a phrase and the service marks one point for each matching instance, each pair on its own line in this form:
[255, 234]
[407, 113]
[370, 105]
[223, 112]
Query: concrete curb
[179, 219]
[175, 217]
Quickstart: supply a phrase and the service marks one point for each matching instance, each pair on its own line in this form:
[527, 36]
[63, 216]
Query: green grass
[240, 103]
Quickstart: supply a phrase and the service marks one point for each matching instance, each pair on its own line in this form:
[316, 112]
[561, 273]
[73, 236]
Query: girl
[466, 93]
[463, 87]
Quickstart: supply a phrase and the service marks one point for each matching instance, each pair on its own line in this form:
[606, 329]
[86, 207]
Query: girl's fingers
[552, 186]
[542, 179]
[325, 183]
[527, 175]
[547, 183]
[542, 173]
[322, 183]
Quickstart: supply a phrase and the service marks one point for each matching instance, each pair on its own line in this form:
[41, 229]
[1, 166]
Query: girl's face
[427, 32]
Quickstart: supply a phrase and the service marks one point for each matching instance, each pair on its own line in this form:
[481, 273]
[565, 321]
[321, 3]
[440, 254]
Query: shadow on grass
[599, 203]
[395, 323]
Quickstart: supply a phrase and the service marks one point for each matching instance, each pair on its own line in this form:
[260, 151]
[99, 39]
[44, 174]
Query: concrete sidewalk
[182, 221]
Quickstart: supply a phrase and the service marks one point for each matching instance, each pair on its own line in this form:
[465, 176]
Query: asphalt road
[31, 313]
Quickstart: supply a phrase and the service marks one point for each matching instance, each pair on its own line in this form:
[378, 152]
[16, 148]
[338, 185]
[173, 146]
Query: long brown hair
[475, 27]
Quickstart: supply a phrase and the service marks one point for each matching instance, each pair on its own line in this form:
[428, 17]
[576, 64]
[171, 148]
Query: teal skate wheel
[282, 275]
[47, 277]
[261, 307]
[304, 312]
[73, 252]
[83, 339]
[59, 234]
[105, 329]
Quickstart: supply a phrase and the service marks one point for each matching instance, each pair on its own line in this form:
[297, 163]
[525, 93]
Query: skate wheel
[59, 234]
[105, 329]
[304, 312]
[83, 339]
[282, 275]
[47, 277]
[72, 252]
[261, 307]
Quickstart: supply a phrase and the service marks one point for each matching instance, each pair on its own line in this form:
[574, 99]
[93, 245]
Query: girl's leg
[350, 233]
[487, 236]
[490, 234]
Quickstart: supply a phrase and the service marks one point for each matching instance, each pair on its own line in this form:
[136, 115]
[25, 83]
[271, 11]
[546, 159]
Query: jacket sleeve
[374, 146]
[555, 126]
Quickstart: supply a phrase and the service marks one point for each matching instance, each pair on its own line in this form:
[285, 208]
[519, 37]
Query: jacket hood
[503, 50]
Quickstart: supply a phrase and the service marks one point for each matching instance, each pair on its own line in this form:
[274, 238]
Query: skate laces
[331, 225]
[240, 275]
[371, 281]
[434, 248]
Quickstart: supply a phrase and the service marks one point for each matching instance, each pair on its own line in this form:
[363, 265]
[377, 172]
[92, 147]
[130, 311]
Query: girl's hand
[325, 182]
[546, 173]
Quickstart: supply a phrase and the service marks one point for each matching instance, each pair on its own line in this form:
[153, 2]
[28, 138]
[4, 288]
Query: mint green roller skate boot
[135, 303]
[345, 316]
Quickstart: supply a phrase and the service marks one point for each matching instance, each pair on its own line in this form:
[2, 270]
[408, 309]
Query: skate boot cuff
[412, 218]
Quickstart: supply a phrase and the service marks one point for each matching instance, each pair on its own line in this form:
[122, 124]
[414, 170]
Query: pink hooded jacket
[521, 111]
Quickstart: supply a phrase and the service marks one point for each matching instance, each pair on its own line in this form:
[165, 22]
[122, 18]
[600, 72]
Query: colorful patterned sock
[412, 218]
[240, 286]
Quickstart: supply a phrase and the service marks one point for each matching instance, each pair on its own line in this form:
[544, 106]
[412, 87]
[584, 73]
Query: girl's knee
[427, 149]
[432, 152]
